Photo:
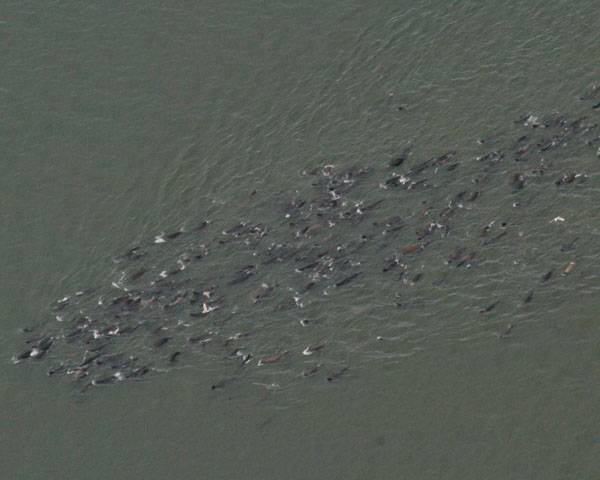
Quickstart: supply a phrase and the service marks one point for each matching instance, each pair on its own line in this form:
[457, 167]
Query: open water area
[302, 240]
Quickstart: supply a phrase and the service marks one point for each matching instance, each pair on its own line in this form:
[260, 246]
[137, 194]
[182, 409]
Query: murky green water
[121, 120]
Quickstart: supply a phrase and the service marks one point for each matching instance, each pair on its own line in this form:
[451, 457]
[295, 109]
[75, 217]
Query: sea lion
[161, 342]
[312, 350]
[489, 308]
[272, 358]
[547, 276]
[243, 274]
[412, 248]
[569, 268]
[348, 279]
[309, 372]
[337, 374]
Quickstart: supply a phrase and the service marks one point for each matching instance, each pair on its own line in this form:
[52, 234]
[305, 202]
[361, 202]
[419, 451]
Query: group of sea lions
[253, 294]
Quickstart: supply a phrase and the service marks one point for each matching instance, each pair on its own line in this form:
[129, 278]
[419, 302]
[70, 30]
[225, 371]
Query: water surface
[122, 120]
